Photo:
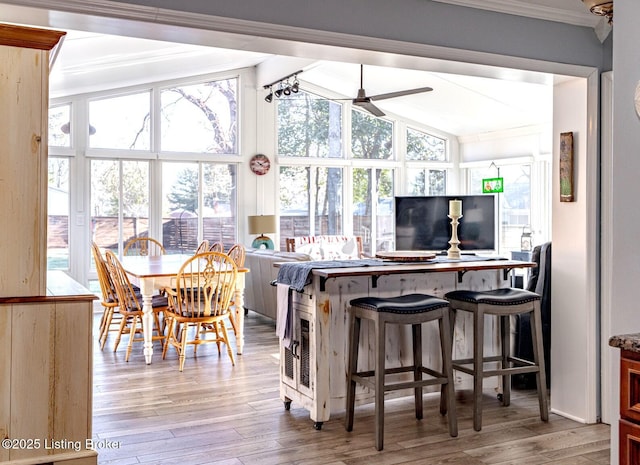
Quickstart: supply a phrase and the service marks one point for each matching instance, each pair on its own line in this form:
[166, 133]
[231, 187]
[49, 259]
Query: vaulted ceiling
[469, 101]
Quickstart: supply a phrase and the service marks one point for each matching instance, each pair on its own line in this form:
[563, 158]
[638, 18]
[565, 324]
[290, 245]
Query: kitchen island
[313, 364]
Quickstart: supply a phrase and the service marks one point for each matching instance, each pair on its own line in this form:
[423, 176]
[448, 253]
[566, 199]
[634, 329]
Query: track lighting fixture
[269, 97]
[283, 87]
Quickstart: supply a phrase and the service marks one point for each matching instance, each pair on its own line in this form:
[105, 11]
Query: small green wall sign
[492, 185]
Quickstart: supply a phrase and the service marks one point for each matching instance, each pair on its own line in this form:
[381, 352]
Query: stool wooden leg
[478, 367]
[505, 343]
[451, 315]
[538, 358]
[416, 333]
[379, 382]
[352, 368]
[447, 393]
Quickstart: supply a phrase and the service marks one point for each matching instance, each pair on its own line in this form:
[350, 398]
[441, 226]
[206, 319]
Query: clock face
[260, 164]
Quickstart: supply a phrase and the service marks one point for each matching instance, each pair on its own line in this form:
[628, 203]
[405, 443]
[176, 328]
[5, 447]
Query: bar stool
[503, 303]
[412, 309]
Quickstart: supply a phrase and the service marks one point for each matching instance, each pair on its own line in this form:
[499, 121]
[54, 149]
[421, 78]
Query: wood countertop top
[60, 287]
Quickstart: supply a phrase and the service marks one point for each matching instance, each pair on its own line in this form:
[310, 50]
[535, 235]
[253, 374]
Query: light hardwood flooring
[214, 413]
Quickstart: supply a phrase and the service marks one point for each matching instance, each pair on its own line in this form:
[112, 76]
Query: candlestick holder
[454, 251]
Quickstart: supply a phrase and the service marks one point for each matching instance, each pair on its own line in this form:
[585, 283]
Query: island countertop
[630, 342]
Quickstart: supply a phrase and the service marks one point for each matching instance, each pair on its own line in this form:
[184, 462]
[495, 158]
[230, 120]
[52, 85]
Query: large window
[310, 201]
[371, 137]
[373, 191]
[121, 123]
[200, 118]
[515, 208]
[198, 202]
[424, 153]
[60, 126]
[119, 201]
[425, 147]
[310, 197]
[58, 214]
[314, 173]
[309, 126]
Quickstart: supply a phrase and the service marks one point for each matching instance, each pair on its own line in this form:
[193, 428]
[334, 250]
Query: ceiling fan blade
[370, 107]
[401, 93]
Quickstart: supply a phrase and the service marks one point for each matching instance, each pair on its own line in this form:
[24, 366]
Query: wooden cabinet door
[23, 171]
[630, 386]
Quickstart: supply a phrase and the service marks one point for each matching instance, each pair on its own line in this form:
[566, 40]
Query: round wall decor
[260, 164]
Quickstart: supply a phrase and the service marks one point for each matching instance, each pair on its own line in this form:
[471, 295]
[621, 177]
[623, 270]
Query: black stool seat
[413, 310]
[410, 303]
[502, 303]
[504, 296]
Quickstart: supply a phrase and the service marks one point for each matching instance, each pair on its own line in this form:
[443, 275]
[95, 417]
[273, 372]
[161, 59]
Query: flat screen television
[421, 223]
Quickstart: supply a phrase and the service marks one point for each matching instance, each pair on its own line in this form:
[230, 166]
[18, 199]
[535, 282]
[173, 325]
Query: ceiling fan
[364, 102]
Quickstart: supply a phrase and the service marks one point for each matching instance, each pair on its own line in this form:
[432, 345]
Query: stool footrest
[366, 378]
[526, 366]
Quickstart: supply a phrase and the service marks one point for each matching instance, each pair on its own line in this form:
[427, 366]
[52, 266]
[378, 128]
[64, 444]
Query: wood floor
[214, 413]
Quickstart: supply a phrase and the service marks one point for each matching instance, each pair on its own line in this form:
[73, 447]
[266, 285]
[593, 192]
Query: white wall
[530, 141]
[625, 191]
[574, 351]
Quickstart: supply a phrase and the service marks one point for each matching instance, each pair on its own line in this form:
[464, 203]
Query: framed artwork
[566, 167]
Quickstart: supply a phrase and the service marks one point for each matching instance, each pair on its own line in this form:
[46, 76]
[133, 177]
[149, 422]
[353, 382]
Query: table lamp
[260, 224]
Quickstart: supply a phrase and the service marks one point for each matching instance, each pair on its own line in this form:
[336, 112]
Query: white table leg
[147, 289]
[239, 308]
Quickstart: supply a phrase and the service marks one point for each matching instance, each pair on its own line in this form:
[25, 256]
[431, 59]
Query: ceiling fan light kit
[600, 8]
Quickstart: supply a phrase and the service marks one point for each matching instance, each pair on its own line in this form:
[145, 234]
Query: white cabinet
[298, 379]
[296, 366]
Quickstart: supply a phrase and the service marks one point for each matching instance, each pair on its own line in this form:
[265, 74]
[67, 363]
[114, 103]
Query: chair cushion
[503, 296]
[410, 303]
[156, 301]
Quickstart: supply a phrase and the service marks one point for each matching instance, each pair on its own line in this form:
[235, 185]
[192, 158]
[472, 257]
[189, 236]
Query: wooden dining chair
[217, 246]
[144, 246]
[201, 300]
[202, 247]
[131, 307]
[237, 252]
[109, 302]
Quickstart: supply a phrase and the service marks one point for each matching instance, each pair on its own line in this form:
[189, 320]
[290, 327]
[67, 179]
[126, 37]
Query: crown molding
[99, 15]
[525, 8]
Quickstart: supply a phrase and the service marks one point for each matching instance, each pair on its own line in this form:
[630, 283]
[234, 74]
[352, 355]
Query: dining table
[152, 273]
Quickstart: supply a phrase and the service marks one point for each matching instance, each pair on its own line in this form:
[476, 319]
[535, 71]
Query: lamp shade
[260, 224]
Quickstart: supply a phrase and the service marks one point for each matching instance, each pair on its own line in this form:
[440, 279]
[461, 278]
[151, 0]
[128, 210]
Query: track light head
[284, 87]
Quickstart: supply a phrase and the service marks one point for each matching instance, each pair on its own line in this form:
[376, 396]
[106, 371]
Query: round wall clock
[260, 164]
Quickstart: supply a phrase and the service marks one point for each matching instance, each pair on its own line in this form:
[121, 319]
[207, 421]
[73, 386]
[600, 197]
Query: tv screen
[422, 223]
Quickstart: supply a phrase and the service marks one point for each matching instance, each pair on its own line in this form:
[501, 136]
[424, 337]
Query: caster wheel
[500, 397]
[287, 405]
[317, 425]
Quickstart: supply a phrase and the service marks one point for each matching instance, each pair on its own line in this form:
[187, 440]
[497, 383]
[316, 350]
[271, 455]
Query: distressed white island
[313, 365]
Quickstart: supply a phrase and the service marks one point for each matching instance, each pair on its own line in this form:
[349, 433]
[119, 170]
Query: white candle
[455, 207]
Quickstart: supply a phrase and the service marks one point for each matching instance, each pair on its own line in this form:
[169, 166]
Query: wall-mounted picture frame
[566, 167]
